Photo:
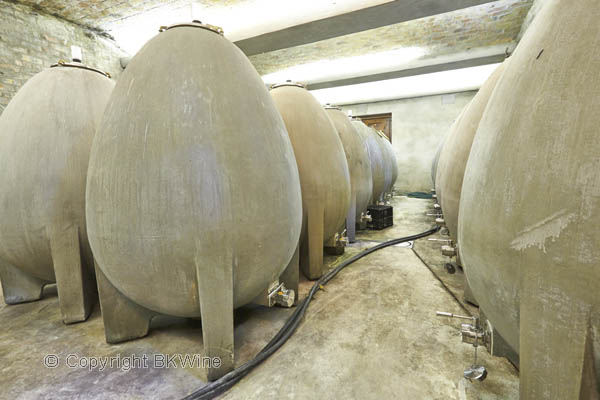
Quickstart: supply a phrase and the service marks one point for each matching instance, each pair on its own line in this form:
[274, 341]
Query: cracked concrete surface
[372, 333]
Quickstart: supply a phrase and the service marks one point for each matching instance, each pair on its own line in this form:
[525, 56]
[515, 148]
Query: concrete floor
[372, 333]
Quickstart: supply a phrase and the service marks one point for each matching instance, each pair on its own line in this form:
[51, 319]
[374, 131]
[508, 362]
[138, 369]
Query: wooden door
[381, 122]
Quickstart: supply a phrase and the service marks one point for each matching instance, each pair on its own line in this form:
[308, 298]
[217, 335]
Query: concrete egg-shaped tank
[392, 162]
[530, 204]
[454, 155]
[387, 161]
[376, 158]
[436, 158]
[359, 165]
[323, 169]
[438, 153]
[193, 197]
[46, 134]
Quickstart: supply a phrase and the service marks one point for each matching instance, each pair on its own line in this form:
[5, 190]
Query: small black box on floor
[381, 217]
[378, 224]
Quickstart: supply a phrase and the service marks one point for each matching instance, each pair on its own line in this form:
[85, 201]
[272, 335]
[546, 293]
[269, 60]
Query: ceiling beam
[427, 69]
[356, 21]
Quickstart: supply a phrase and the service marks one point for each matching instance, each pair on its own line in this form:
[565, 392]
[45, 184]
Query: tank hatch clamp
[288, 82]
[193, 24]
[475, 335]
[75, 64]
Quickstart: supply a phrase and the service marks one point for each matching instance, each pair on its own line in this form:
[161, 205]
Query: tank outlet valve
[440, 222]
[476, 336]
[448, 251]
[434, 196]
[344, 238]
[437, 206]
[283, 297]
[449, 241]
[365, 217]
[340, 240]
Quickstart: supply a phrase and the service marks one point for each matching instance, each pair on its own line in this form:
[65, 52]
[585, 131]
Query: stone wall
[31, 41]
[533, 12]
[418, 126]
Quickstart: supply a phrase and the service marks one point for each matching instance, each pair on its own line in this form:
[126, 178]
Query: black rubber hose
[228, 380]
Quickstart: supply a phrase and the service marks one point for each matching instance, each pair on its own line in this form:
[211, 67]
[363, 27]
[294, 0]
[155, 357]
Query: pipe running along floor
[372, 333]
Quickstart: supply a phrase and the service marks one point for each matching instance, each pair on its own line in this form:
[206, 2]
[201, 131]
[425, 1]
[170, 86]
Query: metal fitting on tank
[278, 294]
[475, 335]
[437, 206]
[449, 251]
[282, 296]
[340, 239]
[440, 222]
[365, 217]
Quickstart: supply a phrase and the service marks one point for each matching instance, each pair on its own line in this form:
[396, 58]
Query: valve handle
[450, 315]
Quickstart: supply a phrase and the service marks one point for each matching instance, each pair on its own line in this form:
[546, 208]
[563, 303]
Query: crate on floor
[381, 217]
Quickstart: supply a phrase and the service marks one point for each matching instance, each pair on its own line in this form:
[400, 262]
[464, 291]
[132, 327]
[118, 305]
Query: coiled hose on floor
[228, 380]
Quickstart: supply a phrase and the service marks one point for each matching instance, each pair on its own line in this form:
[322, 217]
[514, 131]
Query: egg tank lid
[288, 83]
[194, 24]
[63, 63]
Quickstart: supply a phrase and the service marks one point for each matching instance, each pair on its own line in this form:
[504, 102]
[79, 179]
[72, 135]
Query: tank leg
[312, 262]
[74, 282]
[18, 286]
[215, 291]
[556, 343]
[291, 275]
[123, 319]
[351, 221]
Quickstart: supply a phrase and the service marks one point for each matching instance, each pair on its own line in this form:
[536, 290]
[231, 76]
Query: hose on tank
[223, 384]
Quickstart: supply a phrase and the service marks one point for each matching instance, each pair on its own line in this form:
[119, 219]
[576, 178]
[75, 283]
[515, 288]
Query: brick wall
[31, 42]
[492, 24]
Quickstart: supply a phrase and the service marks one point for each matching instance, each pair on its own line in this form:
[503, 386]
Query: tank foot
[18, 286]
[361, 225]
[215, 291]
[311, 249]
[351, 221]
[557, 358]
[123, 319]
[291, 275]
[335, 250]
[75, 284]
[497, 345]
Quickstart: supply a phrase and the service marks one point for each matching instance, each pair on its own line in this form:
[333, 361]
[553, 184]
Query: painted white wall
[418, 125]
